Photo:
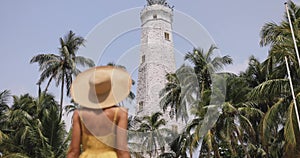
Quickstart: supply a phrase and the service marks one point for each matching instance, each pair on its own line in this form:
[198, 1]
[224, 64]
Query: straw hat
[101, 87]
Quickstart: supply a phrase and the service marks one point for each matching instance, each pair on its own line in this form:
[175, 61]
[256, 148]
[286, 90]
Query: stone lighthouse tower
[156, 58]
[156, 55]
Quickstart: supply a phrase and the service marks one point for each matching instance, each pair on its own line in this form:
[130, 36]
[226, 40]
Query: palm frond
[271, 88]
[270, 121]
[289, 128]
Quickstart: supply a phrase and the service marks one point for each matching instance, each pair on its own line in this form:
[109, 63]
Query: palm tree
[233, 131]
[70, 108]
[4, 109]
[278, 124]
[200, 130]
[62, 67]
[151, 133]
[196, 81]
[204, 68]
[205, 65]
[4, 98]
[180, 145]
[235, 128]
[279, 37]
[25, 134]
[35, 128]
[179, 92]
[52, 124]
[256, 72]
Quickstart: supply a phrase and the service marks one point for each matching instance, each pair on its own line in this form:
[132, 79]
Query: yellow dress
[98, 146]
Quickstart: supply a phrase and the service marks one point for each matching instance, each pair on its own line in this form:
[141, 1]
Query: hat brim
[120, 88]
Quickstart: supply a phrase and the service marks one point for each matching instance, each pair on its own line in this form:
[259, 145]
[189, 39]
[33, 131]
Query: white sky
[31, 27]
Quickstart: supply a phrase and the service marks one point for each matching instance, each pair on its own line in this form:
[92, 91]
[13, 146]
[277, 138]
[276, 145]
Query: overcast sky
[33, 27]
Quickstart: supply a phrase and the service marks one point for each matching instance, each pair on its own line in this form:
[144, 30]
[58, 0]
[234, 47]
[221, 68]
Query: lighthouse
[156, 55]
[156, 60]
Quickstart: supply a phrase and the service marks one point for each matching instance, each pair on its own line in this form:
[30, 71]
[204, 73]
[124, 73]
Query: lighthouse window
[154, 16]
[167, 36]
[141, 105]
[143, 58]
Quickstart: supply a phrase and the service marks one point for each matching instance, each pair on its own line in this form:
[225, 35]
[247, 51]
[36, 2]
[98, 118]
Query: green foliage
[247, 115]
[33, 128]
[64, 66]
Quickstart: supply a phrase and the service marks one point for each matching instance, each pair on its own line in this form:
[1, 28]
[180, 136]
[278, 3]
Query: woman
[99, 127]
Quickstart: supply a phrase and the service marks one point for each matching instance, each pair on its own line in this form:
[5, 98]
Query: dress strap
[81, 125]
[115, 117]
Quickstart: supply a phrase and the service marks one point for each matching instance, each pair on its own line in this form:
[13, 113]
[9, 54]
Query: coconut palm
[255, 73]
[25, 134]
[240, 118]
[4, 108]
[233, 130]
[198, 135]
[186, 83]
[63, 67]
[152, 133]
[179, 145]
[52, 124]
[205, 65]
[279, 122]
[180, 92]
[35, 128]
[70, 108]
[236, 129]
[279, 37]
[4, 98]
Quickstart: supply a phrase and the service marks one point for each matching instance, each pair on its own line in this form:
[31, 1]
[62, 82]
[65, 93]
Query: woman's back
[99, 122]
[102, 133]
[99, 125]
[99, 132]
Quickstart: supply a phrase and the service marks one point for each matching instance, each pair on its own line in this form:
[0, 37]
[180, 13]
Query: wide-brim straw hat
[101, 87]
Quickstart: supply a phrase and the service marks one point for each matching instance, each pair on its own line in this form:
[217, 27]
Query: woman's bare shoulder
[123, 112]
[75, 114]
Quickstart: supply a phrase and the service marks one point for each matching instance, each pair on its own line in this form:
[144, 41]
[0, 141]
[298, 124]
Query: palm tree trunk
[202, 90]
[39, 90]
[62, 94]
[48, 84]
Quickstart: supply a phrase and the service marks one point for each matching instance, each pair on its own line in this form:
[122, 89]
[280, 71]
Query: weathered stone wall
[156, 56]
[156, 60]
